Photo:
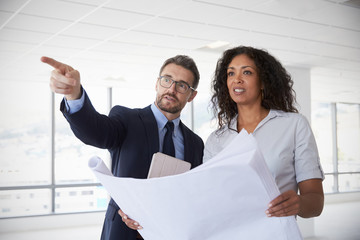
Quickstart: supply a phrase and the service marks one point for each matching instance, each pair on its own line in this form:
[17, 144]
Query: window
[24, 134]
[24, 149]
[336, 128]
[71, 155]
[43, 167]
[204, 124]
[72, 177]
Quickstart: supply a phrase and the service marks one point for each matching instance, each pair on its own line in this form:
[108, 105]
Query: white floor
[83, 233]
[340, 221]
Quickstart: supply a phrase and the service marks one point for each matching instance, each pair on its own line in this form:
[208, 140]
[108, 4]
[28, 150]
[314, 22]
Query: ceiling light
[217, 44]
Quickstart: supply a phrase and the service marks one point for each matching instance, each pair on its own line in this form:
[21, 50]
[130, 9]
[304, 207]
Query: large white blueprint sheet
[224, 198]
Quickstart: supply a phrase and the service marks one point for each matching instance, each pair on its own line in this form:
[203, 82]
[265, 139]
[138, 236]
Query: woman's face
[243, 81]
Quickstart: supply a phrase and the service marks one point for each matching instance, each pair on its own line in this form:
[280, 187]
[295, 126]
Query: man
[132, 136]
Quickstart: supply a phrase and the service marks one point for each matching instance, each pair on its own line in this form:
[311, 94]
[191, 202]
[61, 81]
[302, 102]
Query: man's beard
[175, 109]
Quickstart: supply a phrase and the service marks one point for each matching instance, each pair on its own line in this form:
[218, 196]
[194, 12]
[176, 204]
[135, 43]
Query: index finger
[52, 62]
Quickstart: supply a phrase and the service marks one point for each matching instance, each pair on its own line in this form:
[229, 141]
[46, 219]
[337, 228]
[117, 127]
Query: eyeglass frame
[176, 83]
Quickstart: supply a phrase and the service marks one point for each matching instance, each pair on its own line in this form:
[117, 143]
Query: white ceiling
[128, 40]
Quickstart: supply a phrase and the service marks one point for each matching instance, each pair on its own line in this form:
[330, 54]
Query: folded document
[164, 165]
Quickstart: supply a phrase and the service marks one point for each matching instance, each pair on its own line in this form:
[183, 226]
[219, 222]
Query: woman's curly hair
[277, 93]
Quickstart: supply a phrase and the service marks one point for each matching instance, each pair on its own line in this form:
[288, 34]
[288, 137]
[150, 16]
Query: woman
[253, 91]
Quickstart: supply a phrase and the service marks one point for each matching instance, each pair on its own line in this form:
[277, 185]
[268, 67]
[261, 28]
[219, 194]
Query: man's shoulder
[123, 109]
[189, 133]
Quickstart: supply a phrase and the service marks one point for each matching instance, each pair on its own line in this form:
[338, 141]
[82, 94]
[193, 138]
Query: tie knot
[170, 126]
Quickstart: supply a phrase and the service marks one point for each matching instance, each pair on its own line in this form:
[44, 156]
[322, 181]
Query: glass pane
[25, 133]
[72, 155]
[25, 202]
[80, 199]
[348, 130]
[322, 127]
[136, 97]
[186, 115]
[203, 116]
[349, 182]
[328, 184]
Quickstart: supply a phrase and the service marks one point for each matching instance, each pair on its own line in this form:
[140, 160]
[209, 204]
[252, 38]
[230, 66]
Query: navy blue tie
[168, 146]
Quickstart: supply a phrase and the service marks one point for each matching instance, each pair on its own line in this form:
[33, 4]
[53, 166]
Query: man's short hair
[187, 63]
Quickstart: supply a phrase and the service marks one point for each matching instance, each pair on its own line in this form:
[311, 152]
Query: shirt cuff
[73, 106]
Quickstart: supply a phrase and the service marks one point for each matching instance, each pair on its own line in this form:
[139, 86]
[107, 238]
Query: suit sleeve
[97, 129]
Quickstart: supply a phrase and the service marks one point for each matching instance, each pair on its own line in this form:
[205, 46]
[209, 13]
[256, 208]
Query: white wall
[302, 87]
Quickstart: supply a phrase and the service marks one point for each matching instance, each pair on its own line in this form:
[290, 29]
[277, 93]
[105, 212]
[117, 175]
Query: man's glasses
[181, 87]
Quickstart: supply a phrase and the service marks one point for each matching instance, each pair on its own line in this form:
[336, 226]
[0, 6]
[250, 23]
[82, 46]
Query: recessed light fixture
[217, 44]
[115, 79]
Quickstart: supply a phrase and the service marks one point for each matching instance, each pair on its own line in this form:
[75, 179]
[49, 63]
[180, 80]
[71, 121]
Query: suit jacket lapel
[188, 154]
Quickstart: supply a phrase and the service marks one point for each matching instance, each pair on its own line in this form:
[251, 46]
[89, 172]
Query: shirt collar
[161, 120]
[272, 114]
[276, 113]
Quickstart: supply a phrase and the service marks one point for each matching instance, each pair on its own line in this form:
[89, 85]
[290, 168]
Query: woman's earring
[262, 94]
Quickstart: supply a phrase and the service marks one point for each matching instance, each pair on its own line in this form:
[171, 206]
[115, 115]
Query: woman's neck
[249, 117]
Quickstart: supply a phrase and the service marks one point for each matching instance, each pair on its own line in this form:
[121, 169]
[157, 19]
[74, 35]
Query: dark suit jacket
[131, 136]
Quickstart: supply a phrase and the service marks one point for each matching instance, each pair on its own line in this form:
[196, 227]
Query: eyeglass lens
[179, 86]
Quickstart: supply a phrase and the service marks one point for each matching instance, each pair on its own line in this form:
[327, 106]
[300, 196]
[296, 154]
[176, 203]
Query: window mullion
[192, 127]
[109, 98]
[335, 147]
[52, 148]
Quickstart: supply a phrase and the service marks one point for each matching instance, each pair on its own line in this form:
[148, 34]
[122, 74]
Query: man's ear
[156, 85]
[192, 96]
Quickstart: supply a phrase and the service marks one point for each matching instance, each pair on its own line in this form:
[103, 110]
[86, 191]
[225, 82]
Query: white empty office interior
[118, 47]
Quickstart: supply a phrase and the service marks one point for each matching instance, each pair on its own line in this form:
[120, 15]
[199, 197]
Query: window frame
[336, 173]
[53, 186]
